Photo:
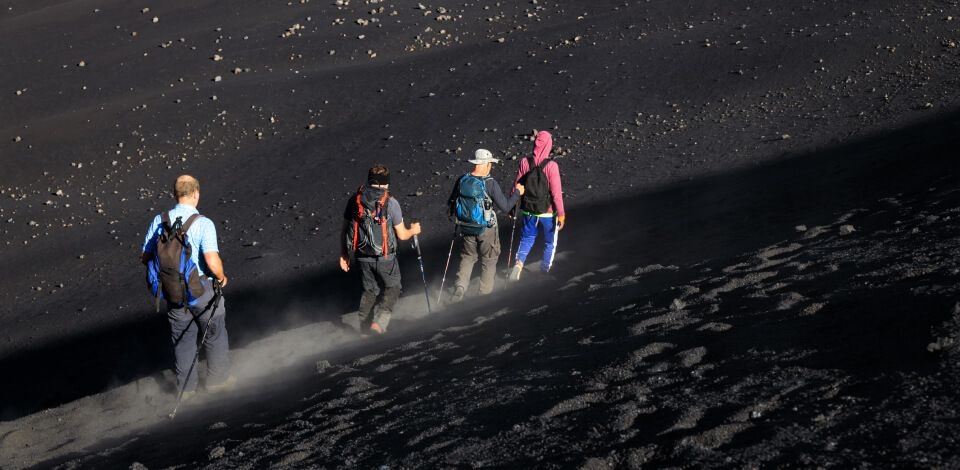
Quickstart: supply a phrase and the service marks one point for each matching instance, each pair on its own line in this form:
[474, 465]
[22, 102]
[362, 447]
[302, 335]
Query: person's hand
[344, 264]
[415, 228]
[520, 189]
[561, 220]
[222, 281]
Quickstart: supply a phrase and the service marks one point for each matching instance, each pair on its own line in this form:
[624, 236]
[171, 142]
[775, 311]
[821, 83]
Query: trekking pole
[449, 254]
[416, 245]
[513, 228]
[196, 357]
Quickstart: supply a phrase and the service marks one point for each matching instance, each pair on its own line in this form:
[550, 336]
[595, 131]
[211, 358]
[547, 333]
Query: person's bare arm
[403, 233]
[215, 265]
[344, 256]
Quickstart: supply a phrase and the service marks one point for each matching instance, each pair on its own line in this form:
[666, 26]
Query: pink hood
[542, 146]
[541, 151]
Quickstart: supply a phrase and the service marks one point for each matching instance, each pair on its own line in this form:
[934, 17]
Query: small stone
[322, 365]
[800, 228]
[82, 63]
[217, 452]
[847, 229]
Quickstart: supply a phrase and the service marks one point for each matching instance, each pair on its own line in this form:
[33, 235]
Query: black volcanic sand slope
[759, 265]
[822, 334]
[280, 108]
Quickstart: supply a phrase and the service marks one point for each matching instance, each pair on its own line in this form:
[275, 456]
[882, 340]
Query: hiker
[194, 310]
[372, 225]
[541, 205]
[471, 206]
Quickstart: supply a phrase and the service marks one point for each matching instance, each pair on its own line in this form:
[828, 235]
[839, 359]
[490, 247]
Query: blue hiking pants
[528, 235]
[187, 323]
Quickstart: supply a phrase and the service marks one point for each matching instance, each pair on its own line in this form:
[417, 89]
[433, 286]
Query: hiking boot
[457, 294]
[515, 272]
[222, 386]
[375, 328]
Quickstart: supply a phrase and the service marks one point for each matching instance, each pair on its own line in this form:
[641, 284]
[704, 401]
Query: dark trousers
[380, 276]
[187, 325]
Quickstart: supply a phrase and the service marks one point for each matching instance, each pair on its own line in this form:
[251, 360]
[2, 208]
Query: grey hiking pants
[486, 248]
[186, 328]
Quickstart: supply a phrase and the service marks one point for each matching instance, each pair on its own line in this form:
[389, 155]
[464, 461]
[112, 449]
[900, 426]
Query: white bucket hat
[482, 156]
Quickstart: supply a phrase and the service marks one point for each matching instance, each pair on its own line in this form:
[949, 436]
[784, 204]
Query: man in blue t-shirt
[189, 319]
[372, 225]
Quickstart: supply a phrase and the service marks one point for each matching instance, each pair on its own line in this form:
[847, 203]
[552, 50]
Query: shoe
[457, 294]
[222, 386]
[515, 272]
[374, 327]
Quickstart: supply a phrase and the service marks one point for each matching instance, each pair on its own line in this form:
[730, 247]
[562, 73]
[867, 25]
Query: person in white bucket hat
[472, 209]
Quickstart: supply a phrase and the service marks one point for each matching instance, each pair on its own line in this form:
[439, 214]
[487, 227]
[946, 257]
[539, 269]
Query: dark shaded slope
[705, 339]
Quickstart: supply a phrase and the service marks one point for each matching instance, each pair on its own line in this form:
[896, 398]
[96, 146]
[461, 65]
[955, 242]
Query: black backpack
[536, 196]
[473, 207]
[171, 272]
[369, 233]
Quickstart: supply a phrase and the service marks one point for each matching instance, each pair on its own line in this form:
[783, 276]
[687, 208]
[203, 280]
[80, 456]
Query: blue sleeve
[207, 235]
[150, 239]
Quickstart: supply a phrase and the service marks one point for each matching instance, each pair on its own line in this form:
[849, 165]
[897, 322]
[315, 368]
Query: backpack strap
[542, 165]
[383, 222]
[165, 223]
[356, 220]
[189, 222]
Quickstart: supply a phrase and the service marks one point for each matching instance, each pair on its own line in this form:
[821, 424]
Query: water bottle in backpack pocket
[473, 207]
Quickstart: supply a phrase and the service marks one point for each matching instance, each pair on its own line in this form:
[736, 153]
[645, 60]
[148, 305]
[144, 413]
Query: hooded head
[542, 146]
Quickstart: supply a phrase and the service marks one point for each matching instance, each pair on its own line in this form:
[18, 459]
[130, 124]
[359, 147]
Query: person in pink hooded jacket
[541, 205]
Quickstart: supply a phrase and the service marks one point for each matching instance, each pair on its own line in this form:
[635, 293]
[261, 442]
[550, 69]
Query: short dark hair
[379, 174]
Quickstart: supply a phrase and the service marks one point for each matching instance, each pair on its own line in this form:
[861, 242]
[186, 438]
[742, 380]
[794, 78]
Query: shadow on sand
[712, 218]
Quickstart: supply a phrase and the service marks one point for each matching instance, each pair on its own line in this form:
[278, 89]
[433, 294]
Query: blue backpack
[473, 207]
[171, 272]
